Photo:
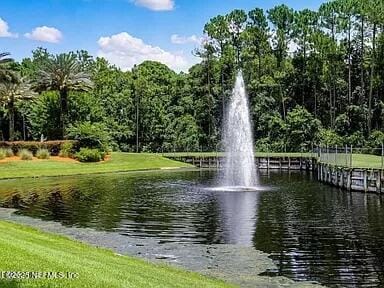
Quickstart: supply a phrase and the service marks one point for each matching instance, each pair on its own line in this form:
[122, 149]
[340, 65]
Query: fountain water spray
[239, 165]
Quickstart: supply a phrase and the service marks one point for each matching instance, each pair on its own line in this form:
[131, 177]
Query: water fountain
[239, 166]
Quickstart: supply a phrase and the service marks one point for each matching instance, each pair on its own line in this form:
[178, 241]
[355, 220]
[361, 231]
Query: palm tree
[5, 61]
[10, 92]
[62, 73]
[5, 71]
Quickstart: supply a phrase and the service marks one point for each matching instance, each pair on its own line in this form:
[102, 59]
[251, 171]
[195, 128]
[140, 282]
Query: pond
[312, 232]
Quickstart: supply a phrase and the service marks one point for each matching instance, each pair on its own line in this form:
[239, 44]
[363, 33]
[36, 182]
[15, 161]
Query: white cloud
[4, 30]
[45, 34]
[156, 5]
[125, 51]
[177, 39]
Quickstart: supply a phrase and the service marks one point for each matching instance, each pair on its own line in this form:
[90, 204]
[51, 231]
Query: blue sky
[123, 31]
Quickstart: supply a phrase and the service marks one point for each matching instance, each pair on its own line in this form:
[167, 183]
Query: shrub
[357, 139]
[2, 154]
[301, 129]
[67, 150]
[43, 154]
[53, 147]
[375, 142]
[9, 152]
[90, 135]
[90, 155]
[266, 145]
[25, 154]
[328, 137]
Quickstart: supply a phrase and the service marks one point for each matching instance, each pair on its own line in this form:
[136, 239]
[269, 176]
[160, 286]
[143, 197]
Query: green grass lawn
[358, 160]
[366, 161]
[121, 162]
[26, 249]
[118, 162]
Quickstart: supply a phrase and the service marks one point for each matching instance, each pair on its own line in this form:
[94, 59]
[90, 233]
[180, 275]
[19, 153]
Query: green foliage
[301, 129]
[90, 135]
[185, 135]
[329, 62]
[43, 154]
[89, 155]
[44, 116]
[67, 150]
[270, 145]
[25, 154]
[2, 154]
[9, 152]
[53, 147]
[62, 73]
[328, 137]
[357, 139]
[376, 141]
[6, 152]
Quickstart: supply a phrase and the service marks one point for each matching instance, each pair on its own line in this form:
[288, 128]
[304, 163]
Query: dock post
[365, 180]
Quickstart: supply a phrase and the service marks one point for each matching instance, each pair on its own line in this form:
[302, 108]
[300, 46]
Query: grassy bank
[118, 162]
[121, 162]
[366, 161]
[26, 249]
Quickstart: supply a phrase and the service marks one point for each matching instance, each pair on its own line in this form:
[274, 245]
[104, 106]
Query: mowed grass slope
[26, 249]
[119, 162]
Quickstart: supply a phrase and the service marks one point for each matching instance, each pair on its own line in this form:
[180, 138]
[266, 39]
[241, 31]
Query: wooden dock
[351, 179]
[268, 163]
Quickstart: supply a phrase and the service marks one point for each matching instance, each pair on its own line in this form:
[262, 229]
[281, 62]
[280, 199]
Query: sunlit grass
[26, 249]
[119, 162]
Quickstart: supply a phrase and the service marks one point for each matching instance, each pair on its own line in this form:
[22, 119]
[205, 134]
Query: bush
[43, 154]
[67, 150]
[53, 147]
[25, 154]
[357, 139]
[2, 154]
[267, 145]
[301, 129]
[9, 152]
[375, 142]
[90, 135]
[328, 137]
[90, 155]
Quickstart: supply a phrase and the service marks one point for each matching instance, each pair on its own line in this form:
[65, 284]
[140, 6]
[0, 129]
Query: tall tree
[375, 11]
[282, 18]
[347, 10]
[328, 21]
[218, 30]
[10, 92]
[305, 23]
[237, 20]
[62, 73]
[5, 67]
[361, 7]
[257, 36]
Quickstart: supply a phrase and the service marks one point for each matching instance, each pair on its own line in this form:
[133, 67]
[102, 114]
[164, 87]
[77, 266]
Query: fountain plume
[239, 165]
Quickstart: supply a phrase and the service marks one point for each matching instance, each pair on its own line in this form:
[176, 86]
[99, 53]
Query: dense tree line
[313, 78]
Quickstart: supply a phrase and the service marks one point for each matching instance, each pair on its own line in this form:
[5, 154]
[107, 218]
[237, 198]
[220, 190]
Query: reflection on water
[312, 231]
[237, 216]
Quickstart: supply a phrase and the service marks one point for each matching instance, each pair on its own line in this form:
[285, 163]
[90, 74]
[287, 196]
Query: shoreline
[207, 260]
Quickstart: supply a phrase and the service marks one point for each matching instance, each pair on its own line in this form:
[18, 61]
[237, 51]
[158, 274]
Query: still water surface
[312, 231]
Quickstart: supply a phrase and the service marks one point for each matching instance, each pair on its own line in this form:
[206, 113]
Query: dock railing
[351, 157]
